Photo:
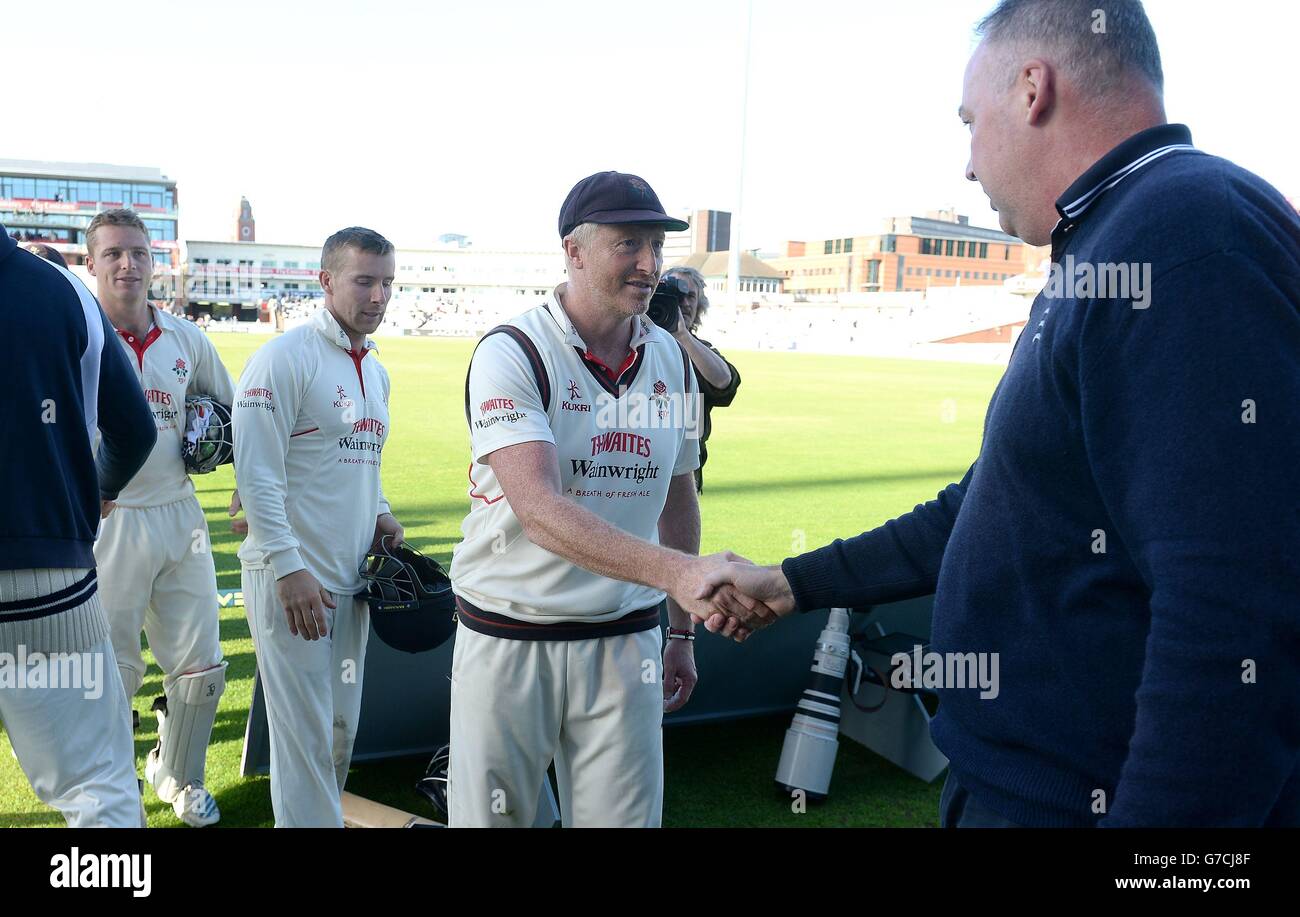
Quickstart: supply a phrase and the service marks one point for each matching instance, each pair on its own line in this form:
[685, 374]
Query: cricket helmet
[433, 786]
[411, 602]
[209, 437]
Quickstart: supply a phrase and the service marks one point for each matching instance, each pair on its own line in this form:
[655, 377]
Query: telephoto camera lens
[811, 742]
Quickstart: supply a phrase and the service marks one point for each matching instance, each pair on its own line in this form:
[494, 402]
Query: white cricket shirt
[618, 444]
[311, 419]
[173, 360]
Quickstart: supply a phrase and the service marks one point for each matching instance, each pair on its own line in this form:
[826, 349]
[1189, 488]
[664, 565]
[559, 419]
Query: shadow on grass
[47, 819]
[834, 481]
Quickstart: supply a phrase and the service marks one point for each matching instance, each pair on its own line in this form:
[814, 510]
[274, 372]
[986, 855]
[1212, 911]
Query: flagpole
[733, 261]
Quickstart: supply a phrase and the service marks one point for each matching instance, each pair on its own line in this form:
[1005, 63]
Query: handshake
[731, 595]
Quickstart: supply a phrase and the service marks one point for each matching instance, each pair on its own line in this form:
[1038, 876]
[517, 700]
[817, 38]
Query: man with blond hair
[584, 521]
[154, 551]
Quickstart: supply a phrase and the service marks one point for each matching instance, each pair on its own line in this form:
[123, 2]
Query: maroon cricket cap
[614, 197]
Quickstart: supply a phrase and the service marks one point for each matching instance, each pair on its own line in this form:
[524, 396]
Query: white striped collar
[1133, 154]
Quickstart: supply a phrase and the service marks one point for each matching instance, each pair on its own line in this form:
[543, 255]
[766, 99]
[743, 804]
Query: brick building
[940, 249]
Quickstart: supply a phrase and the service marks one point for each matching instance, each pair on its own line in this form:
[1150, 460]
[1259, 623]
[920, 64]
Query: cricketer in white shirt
[579, 472]
[153, 550]
[311, 420]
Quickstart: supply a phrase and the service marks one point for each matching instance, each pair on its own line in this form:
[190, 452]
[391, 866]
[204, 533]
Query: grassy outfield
[815, 447]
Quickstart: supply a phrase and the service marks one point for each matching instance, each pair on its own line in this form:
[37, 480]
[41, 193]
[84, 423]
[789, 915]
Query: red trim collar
[138, 345]
[356, 361]
[605, 370]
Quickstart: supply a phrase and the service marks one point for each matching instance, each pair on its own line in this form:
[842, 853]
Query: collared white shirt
[311, 420]
[618, 444]
[173, 360]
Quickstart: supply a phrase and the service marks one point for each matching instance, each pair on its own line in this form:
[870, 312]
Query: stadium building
[755, 275]
[463, 275]
[237, 279]
[234, 279]
[940, 249]
[54, 202]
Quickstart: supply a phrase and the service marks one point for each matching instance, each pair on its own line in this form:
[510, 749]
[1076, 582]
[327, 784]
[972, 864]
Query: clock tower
[247, 229]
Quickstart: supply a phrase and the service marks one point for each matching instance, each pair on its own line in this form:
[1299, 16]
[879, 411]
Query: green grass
[815, 447]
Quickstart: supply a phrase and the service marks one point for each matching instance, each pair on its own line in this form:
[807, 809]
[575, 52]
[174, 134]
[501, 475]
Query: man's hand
[758, 596]
[387, 524]
[704, 593]
[106, 507]
[694, 590]
[238, 526]
[304, 604]
[682, 328]
[679, 674]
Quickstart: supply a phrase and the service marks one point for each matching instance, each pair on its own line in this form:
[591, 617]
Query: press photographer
[678, 305]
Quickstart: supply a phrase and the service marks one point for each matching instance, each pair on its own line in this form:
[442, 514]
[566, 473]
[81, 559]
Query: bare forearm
[581, 537]
[679, 529]
[712, 367]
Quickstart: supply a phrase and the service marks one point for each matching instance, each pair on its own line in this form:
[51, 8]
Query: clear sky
[419, 118]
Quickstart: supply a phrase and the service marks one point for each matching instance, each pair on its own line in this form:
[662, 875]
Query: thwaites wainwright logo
[660, 397]
[182, 371]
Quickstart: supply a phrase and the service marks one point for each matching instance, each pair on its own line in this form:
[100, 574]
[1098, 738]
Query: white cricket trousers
[595, 707]
[156, 572]
[313, 700]
[72, 741]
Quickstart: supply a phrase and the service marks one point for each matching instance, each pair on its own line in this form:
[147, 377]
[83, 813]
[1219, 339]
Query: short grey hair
[358, 237]
[1100, 43]
[582, 234]
[695, 277]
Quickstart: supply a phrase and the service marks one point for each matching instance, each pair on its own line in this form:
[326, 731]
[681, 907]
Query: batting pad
[185, 728]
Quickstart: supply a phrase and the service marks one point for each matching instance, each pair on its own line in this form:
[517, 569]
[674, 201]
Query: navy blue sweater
[1128, 540]
[64, 375]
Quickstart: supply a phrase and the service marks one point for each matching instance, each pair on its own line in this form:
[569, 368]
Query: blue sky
[424, 118]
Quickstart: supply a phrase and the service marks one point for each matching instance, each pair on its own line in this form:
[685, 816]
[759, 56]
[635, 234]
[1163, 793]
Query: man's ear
[1037, 82]
[90, 265]
[326, 282]
[573, 252]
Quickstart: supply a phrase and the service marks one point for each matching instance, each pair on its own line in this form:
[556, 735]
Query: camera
[666, 303]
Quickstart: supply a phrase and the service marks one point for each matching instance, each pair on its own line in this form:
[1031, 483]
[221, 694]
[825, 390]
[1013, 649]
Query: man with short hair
[311, 421]
[66, 385]
[154, 552]
[1127, 539]
[583, 516]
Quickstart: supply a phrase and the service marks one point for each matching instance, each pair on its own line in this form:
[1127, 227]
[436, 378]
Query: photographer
[718, 379]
